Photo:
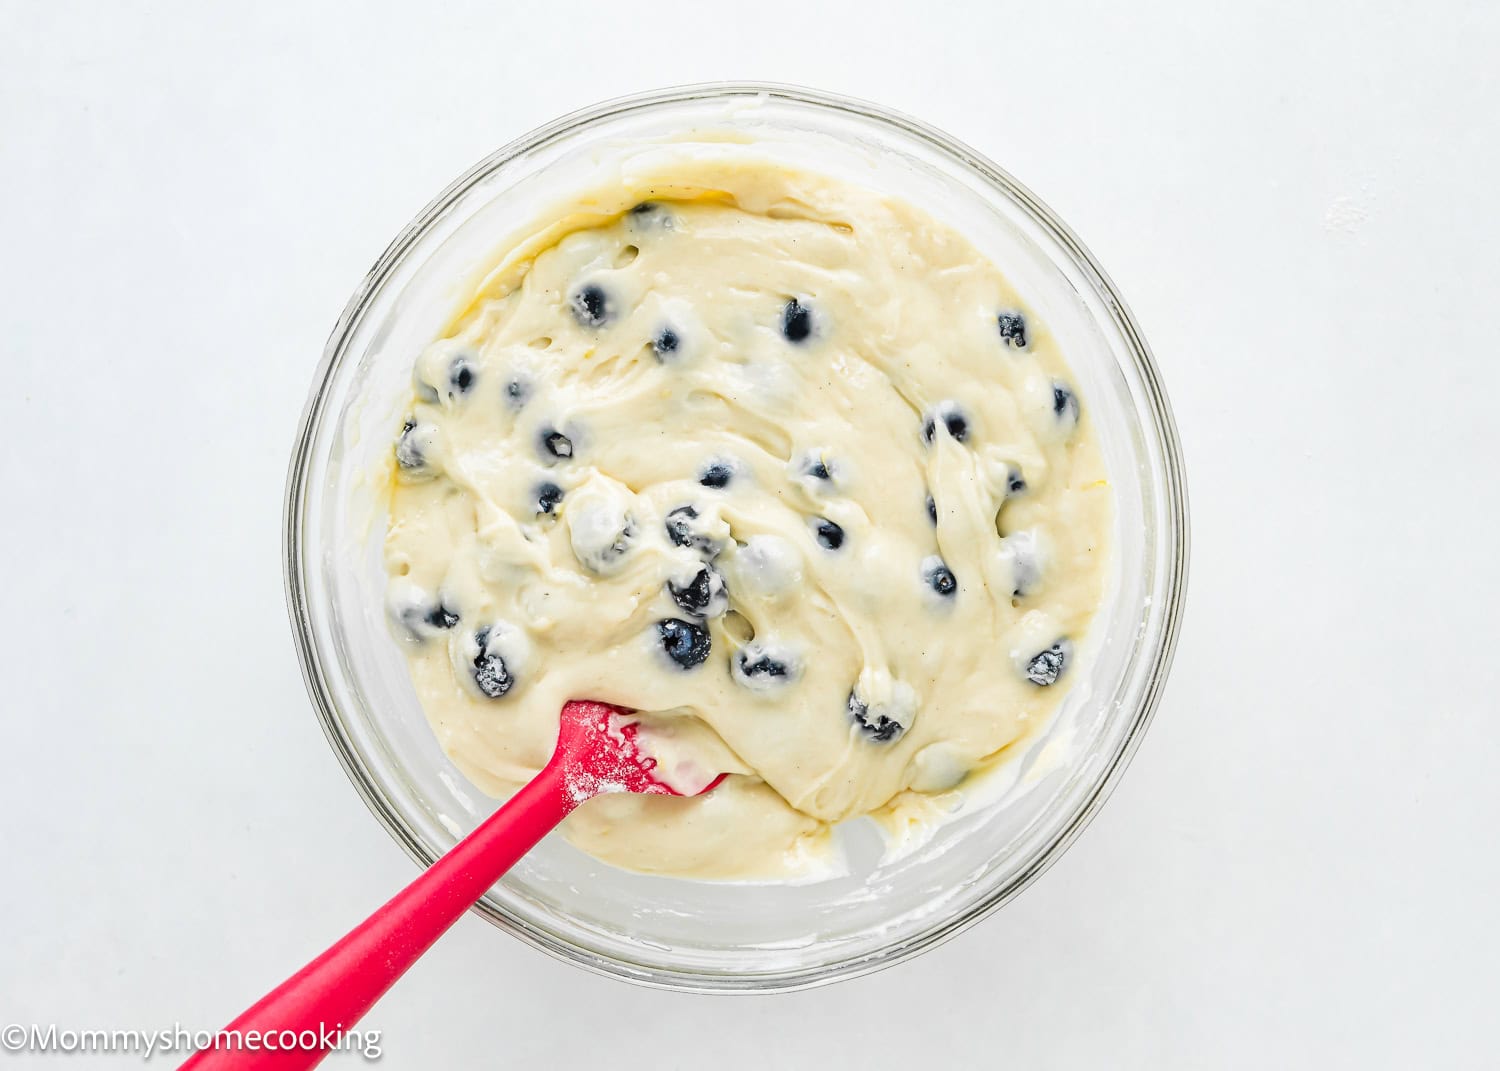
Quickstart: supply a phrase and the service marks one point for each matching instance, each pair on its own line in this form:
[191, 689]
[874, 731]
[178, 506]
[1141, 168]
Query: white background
[1299, 201]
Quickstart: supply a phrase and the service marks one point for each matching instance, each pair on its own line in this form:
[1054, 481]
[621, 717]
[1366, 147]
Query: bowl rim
[1175, 533]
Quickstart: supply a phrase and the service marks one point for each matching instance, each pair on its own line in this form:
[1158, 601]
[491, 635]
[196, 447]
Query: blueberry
[1046, 667]
[932, 509]
[665, 344]
[491, 675]
[764, 667]
[461, 375]
[718, 474]
[796, 321]
[548, 495]
[683, 532]
[650, 216]
[602, 531]
[591, 306]
[759, 665]
[818, 474]
[939, 577]
[439, 616]
[517, 393]
[878, 726]
[686, 644]
[830, 535]
[409, 453]
[704, 596]
[1012, 329]
[621, 544]
[423, 615]
[555, 444]
[953, 419]
[420, 615]
[679, 526]
[1015, 483]
[1064, 403]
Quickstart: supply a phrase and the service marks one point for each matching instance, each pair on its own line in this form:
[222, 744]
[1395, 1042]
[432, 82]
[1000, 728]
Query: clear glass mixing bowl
[698, 935]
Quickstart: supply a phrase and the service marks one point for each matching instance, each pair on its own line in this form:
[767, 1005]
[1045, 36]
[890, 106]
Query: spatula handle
[333, 991]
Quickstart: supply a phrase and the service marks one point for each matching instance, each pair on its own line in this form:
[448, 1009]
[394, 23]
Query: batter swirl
[781, 462]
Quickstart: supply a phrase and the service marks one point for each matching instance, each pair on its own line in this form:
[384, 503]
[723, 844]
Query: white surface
[1300, 868]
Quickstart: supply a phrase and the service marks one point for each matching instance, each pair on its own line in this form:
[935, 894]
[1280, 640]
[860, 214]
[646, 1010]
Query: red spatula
[596, 754]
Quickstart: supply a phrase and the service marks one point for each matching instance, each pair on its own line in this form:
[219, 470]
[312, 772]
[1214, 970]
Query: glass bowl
[706, 936]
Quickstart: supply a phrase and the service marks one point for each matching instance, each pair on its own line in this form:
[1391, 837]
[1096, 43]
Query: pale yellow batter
[781, 462]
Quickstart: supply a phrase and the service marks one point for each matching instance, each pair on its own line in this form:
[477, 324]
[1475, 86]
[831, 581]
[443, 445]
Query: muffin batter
[782, 463]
